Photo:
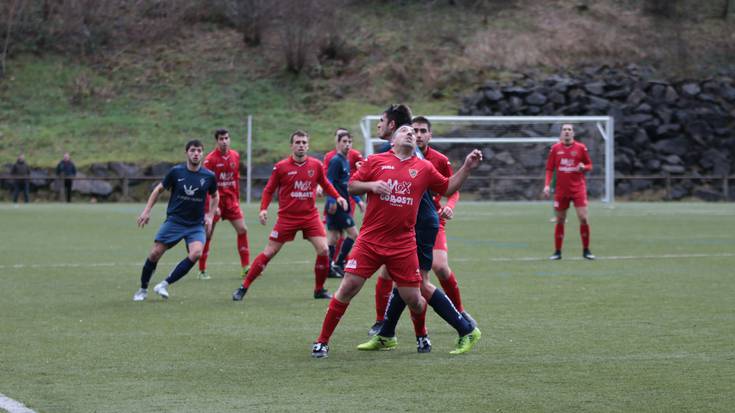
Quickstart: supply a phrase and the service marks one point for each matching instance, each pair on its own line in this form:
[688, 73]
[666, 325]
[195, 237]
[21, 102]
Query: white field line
[13, 406]
[480, 259]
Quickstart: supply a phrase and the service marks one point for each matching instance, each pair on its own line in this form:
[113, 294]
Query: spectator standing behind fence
[66, 169]
[22, 173]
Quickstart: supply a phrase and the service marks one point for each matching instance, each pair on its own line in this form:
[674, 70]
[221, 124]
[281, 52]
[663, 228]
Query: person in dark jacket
[22, 173]
[66, 169]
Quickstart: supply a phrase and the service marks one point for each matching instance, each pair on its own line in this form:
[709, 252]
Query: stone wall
[677, 127]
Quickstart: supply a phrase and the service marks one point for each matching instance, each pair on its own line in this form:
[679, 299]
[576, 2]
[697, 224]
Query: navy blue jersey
[427, 217]
[338, 174]
[188, 193]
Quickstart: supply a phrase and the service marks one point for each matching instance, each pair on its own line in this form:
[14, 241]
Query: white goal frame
[605, 125]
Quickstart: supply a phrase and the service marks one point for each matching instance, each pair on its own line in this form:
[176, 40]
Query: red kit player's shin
[243, 248]
[331, 319]
[584, 232]
[451, 289]
[256, 269]
[558, 236]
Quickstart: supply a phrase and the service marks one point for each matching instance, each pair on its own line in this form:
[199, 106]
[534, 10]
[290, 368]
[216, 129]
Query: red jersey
[353, 157]
[564, 160]
[442, 164]
[296, 183]
[227, 170]
[390, 219]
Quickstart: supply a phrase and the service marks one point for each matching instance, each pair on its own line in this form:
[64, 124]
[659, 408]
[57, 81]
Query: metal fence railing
[490, 187]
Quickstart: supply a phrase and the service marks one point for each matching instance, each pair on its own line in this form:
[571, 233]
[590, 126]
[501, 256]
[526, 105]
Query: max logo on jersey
[190, 190]
[398, 192]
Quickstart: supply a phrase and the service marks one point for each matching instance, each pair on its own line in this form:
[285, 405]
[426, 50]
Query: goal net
[515, 150]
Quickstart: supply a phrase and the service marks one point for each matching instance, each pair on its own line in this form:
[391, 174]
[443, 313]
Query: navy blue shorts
[171, 233]
[339, 220]
[425, 239]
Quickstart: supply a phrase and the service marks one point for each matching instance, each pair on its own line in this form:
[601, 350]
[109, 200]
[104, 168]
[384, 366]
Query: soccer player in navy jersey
[189, 184]
[339, 219]
[395, 181]
[296, 179]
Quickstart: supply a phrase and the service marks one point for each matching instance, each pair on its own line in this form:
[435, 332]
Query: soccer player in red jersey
[395, 182]
[225, 163]
[440, 263]
[570, 160]
[296, 179]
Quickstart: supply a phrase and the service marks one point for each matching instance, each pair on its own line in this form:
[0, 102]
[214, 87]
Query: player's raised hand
[342, 203]
[473, 159]
[263, 216]
[143, 219]
[380, 187]
[446, 213]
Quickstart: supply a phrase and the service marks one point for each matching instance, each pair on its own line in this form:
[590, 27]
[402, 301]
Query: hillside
[139, 102]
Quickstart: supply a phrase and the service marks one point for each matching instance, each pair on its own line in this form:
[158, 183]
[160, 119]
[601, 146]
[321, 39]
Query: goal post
[533, 133]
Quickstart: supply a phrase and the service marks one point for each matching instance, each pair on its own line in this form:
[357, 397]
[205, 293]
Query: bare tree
[250, 17]
[14, 11]
[299, 24]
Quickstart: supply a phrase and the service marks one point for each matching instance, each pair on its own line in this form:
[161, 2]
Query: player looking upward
[225, 163]
[395, 182]
[570, 160]
[338, 219]
[296, 179]
[185, 218]
[427, 234]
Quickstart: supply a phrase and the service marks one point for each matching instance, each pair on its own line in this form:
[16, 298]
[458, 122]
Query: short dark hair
[194, 142]
[421, 119]
[342, 135]
[339, 129]
[299, 132]
[219, 132]
[400, 114]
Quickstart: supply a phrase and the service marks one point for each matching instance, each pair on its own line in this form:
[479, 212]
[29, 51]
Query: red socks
[256, 269]
[243, 248]
[383, 288]
[584, 232]
[419, 322]
[321, 271]
[558, 236]
[451, 289]
[334, 314]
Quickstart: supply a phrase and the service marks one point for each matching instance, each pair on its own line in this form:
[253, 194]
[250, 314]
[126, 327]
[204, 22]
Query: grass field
[649, 326]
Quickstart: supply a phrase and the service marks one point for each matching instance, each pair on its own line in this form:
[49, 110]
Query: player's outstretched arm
[471, 162]
[145, 216]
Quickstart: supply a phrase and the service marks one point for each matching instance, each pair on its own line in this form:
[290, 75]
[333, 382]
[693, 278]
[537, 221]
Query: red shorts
[441, 237]
[561, 201]
[229, 209]
[403, 265]
[286, 228]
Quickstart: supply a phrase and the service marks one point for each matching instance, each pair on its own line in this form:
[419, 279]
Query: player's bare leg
[243, 246]
[584, 231]
[205, 253]
[321, 266]
[561, 219]
[257, 268]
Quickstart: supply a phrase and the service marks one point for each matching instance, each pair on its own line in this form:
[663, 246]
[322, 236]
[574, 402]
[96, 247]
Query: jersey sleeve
[168, 180]
[324, 182]
[586, 159]
[213, 185]
[364, 173]
[270, 188]
[436, 181]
